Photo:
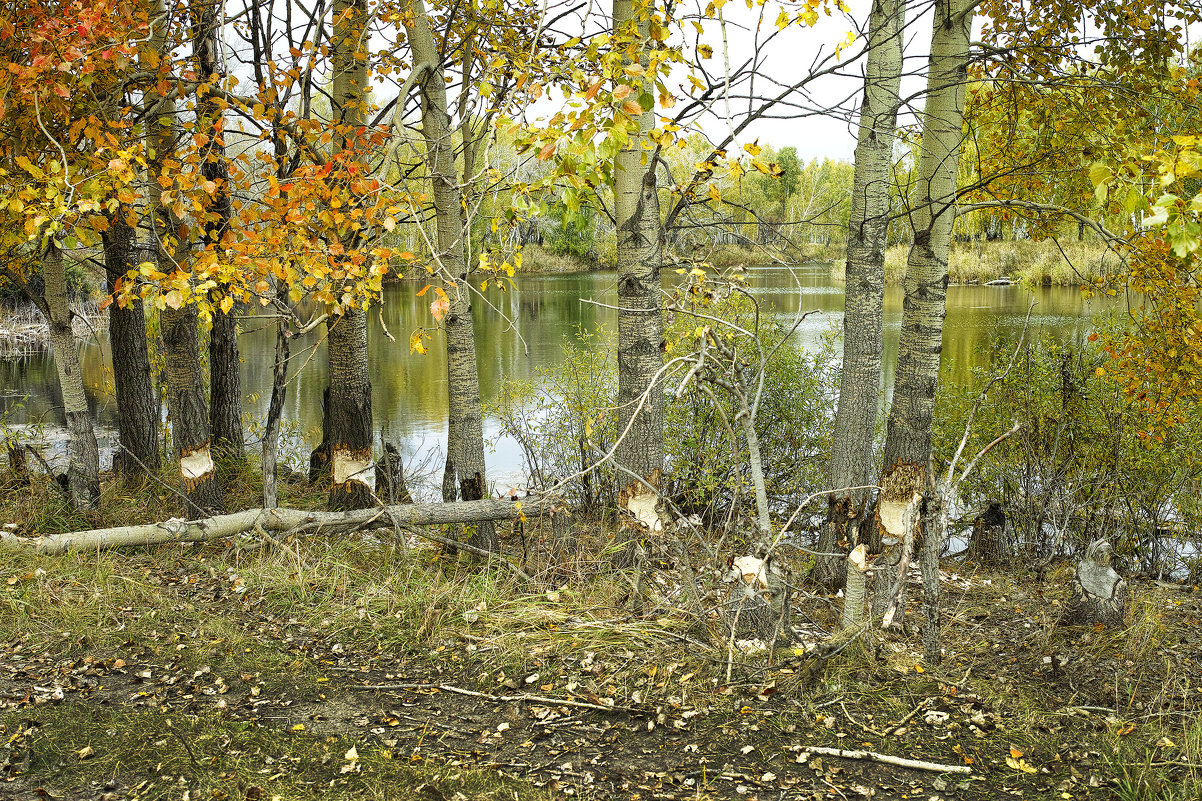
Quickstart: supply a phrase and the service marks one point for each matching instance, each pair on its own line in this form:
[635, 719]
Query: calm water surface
[523, 331]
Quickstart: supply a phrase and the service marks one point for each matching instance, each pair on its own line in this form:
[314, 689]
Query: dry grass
[1036, 263]
[537, 259]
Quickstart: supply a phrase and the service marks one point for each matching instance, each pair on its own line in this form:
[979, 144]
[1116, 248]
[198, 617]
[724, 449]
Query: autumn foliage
[1156, 360]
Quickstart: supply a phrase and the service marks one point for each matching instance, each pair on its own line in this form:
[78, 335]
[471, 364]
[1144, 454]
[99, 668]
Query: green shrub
[564, 421]
[1077, 468]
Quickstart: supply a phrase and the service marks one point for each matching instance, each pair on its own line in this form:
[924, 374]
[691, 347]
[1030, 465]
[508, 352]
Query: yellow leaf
[415, 342]
[1020, 764]
[227, 303]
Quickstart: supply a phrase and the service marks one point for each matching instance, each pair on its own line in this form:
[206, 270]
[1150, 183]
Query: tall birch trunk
[908, 438]
[186, 404]
[464, 475]
[640, 324]
[137, 407]
[851, 463]
[225, 380]
[347, 417]
[83, 455]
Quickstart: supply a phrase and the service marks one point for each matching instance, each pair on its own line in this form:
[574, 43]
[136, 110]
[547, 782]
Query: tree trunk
[187, 408]
[186, 404]
[83, 454]
[137, 407]
[275, 408]
[225, 380]
[851, 462]
[347, 416]
[640, 324]
[464, 475]
[908, 437]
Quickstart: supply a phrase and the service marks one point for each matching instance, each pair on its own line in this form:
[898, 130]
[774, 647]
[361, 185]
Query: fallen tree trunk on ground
[267, 520]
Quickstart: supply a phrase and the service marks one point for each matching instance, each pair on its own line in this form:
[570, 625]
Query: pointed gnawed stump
[1099, 593]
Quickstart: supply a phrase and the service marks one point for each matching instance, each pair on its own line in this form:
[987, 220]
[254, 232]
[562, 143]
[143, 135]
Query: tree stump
[758, 604]
[989, 544]
[390, 477]
[1099, 593]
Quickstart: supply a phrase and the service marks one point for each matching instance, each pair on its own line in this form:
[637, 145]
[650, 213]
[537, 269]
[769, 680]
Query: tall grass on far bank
[538, 259]
[1042, 263]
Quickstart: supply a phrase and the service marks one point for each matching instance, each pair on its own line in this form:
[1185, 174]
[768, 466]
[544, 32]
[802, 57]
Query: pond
[518, 332]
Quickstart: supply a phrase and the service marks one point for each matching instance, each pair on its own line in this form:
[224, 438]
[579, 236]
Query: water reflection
[523, 329]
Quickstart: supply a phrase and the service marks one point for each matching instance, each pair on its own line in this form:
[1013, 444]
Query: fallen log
[272, 520]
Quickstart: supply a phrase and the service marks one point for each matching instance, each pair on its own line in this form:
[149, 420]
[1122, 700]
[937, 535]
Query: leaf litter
[227, 683]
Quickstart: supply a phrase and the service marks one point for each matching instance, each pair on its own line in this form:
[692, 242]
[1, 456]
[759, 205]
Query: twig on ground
[907, 718]
[501, 699]
[887, 759]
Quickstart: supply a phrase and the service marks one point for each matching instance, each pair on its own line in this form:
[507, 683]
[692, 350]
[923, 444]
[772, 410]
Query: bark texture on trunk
[347, 415]
[225, 380]
[908, 436]
[83, 454]
[137, 407]
[464, 475]
[187, 406]
[851, 463]
[275, 407]
[640, 324]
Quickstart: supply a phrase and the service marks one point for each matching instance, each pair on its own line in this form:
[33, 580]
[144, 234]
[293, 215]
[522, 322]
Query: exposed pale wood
[873, 756]
[521, 698]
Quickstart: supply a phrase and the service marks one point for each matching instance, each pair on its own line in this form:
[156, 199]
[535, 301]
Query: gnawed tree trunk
[640, 324]
[83, 454]
[464, 475]
[908, 437]
[851, 463]
[1099, 593]
[225, 380]
[270, 520]
[757, 605]
[347, 417]
[187, 406]
[137, 407]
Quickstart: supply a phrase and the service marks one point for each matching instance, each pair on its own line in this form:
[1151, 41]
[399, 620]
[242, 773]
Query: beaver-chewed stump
[758, 604]
[1099, 593]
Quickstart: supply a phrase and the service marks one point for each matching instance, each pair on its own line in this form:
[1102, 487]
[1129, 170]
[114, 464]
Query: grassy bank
[376, 666]
[536, 259]
[1035, 263]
